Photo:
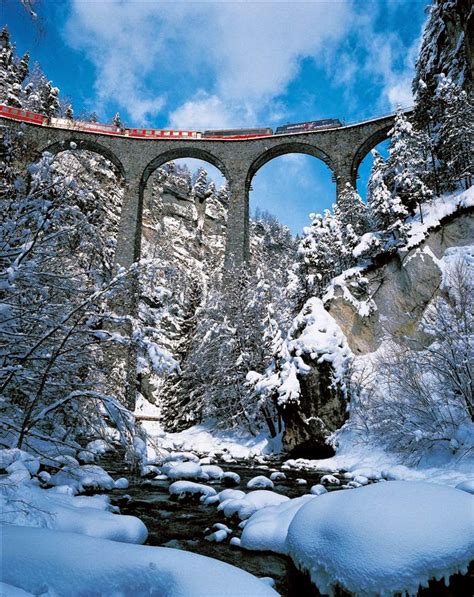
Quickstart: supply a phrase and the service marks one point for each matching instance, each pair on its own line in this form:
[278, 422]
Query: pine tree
[407, 165]
[322, 252]
[386, 210]
[117, 121]
[69, 112]
[201, 185]
[349, 209]
[456, 132]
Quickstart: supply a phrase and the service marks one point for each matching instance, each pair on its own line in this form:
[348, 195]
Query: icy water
[182, 524]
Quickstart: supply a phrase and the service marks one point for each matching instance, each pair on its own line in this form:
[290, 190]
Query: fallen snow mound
[385, 538]
[43, 561]
[266, 530]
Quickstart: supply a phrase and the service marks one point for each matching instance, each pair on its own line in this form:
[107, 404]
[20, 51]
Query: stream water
[182, 524]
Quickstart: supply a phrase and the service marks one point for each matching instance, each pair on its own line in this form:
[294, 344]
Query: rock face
[400, 289]
[320, 411]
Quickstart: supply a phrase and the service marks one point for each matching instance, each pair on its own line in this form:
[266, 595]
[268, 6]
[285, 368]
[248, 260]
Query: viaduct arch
[342, 149]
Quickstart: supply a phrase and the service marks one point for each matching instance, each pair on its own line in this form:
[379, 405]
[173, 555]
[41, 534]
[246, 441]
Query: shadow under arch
[283, 149]
[178, 153]
[75, 144]
[366, 147]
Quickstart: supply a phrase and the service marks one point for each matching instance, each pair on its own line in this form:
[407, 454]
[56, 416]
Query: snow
[185, 488]
[245, 506]
[384, 538]
[184, 470]
[28, 505]
[206, 439]
[277, 476]
[266, 530]
[373, 462]
[318, 490]
[81, 478]
[466, 486]
[213, 471]
[121, 483]
[44, 561]
[260, 482]
[11, 591]
[434, 212]
[230, 478]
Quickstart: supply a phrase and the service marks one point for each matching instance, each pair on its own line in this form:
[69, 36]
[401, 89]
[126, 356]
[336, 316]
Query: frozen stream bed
[182, 524]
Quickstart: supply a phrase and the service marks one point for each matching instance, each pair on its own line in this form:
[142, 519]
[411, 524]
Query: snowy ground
[205, 439]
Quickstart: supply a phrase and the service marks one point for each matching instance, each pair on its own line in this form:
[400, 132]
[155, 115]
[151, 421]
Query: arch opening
[365, 167]
[188, 152]
[289, 183]
[74, 144]
[366, 147]
[185, 202]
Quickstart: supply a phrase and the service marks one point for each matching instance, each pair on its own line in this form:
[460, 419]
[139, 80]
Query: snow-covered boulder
[184, 489]
[266, 530]
[318, 490]
[231, 494]
[10, 455]
[43, 561]
[384, 538]
[180, 457]
[277, 476]
[260, 482]
[213, 471]
[184, 470]
[230, 478]
[330, 480]
[253, 501]
[80, 478]
[28, 505]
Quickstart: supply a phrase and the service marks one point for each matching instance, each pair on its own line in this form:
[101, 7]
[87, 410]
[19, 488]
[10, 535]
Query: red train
[139, 133]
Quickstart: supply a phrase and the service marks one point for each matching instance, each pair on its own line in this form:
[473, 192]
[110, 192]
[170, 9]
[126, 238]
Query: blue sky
[227, 64]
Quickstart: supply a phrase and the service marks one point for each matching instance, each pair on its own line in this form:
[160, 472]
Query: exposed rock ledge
[400, 288]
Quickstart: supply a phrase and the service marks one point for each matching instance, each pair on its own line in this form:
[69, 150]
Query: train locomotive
[141, 133]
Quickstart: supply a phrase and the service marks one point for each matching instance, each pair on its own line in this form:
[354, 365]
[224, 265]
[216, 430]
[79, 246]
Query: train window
[167, 133]
[148, 133]
[23, 113]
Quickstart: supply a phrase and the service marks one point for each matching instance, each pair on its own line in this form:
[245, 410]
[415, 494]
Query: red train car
[22, 115]
[154, 133]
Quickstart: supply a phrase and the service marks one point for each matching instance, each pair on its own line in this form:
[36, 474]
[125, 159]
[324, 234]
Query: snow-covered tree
[418, 396]
[117, 121]
[322, 253]
[456, 132]
[40, 95]
[385, 208]
[13, 72]
[349, 209]
[408, 164]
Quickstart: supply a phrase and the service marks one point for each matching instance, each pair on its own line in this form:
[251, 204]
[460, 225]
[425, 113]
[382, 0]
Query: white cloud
[247, 51]
[231, 59]
[205, 111]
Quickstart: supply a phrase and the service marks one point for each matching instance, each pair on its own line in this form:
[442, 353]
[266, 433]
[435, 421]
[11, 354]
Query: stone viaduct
[342, 149]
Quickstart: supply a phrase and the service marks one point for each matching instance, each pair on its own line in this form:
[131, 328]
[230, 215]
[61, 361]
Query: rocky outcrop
[320, 411]
[398, 290]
